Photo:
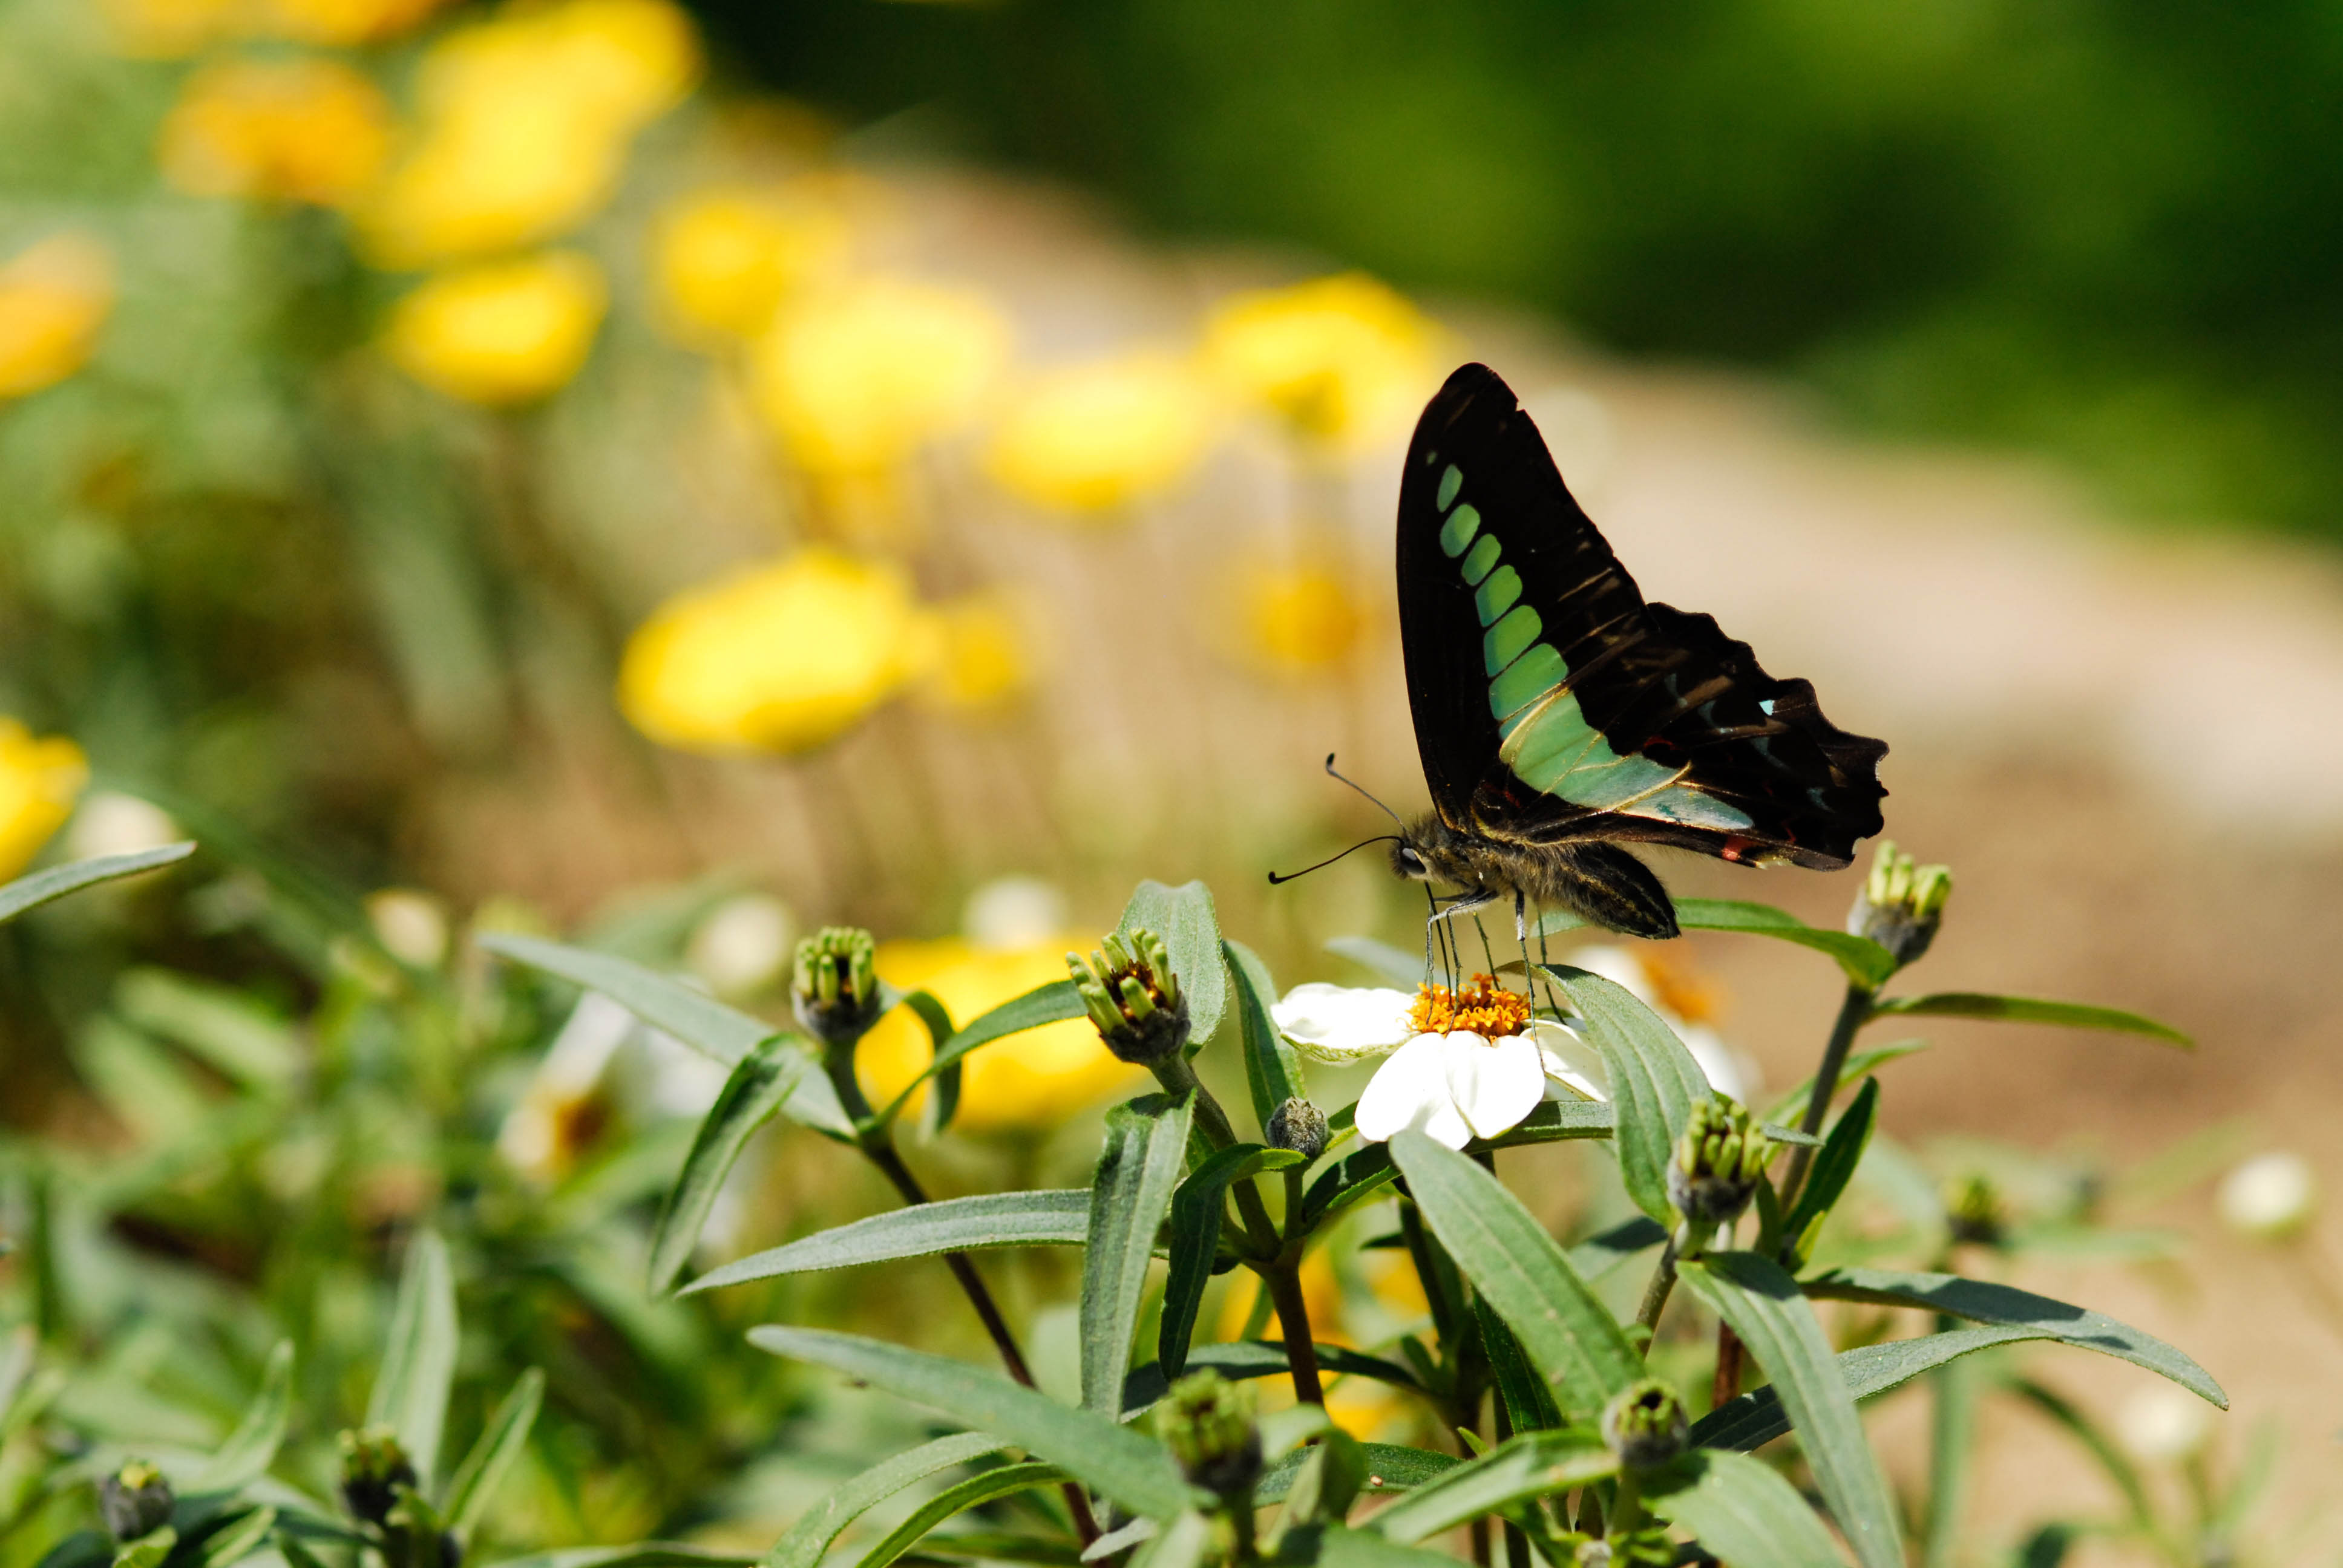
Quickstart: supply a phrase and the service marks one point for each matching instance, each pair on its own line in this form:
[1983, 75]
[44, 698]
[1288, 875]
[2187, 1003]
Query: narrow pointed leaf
[1984, 1302]
[1272, 1070]
[1755, 1419]
[1138, 1172]
[1533, 1464]
[1555, 1121]
[808, 1541]
[1354, 1178]
[1390, 1468]
[252, 1447]
[1198, 1209]
[932, 1013]
[1762, 1303]
[1834, 1168]
[1261, 1358]
[986, 1486]
[493, 1453]
[1653, 1082]
[1183, 917]
[1528, 1401]
[1567, 1334]
[1333, 1471]
[1185, 1543]
[1108, 1457]
[1791, 1108]
[1050, 1216]
[640, 1554]
[759, 1085]
[1867, 963]
[418, 1360]
[1339, 1546]
[2027, 1010]
[236, 1542]
[1599, 1254]
[1052, 1003]
[30, 892]
[697, 1020]
[1741, 1510]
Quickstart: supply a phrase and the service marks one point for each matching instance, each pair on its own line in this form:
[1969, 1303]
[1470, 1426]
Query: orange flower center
[1481, 1006]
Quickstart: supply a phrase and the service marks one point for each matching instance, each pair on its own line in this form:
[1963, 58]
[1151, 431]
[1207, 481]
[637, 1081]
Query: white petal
[1620, 968]
[1726, 1069]
[1568, 1060]
[1495, 1082]
[1343, 1023]
[1411, 1090]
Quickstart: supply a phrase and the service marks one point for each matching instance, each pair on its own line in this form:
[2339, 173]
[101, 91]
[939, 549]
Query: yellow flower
[291, 130]
[980, 658]
[343, 22]
[855, 379]
[170, 30]
[1027, 1082]
[1299, 621]
[1340, 360]
[39, 780]
[525, 122]
[53, 299]
[781, 657]
[726, 259]
[1097, 437]
[503, 332]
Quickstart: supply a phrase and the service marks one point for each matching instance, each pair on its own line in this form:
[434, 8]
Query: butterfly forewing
[1551, 702]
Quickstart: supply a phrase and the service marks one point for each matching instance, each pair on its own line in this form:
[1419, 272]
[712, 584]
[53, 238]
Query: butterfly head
[1428, 849]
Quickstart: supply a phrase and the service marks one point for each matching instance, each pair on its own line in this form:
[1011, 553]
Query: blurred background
[676, 476]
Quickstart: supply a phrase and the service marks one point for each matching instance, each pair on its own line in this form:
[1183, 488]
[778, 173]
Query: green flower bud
[1132, 997]
[374, 1469]
[1974, 1214]
[1901, 904]
[1300, 1126]
[835, 988]
[1649, 1547]
[1645, 1424]
[1717, 1161]
[135, 1500]
[1207, 1422]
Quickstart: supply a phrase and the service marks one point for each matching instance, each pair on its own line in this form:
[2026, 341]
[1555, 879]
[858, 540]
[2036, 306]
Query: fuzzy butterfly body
[1560, 717]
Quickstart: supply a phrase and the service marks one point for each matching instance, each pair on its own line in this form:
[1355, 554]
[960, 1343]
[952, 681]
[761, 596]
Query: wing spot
[1496, 596]
[1458, 530]
[1450, 483]
[1481, 559]
[1513, 634]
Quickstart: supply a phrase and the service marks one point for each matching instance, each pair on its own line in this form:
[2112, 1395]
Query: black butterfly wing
[1552, 703]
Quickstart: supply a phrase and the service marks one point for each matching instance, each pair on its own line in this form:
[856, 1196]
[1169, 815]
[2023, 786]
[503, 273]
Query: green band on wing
[1525, 680]
[1480, 560]
[1450, 483]
[1498, 595]
[1458, 530]
[1514, 631]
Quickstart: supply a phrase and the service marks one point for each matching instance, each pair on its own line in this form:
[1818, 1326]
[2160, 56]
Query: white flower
[1340, 1024]
[2269, 1196]
[1728, 1070]
[1455, 1087]
[2161, 1424]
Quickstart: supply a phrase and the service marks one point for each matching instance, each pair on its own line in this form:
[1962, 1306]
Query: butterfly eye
[1412, 860]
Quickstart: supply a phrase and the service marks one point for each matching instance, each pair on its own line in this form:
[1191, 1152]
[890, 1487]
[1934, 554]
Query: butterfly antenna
[1275, 878]
[1362, 789]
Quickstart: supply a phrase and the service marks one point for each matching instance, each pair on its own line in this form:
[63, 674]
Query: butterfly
[1560, 717]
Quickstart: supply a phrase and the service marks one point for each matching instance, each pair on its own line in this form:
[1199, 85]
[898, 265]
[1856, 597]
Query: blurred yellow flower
[282, 130]
[725, 260]
[502, 332]
[1027, 1082]
[53, 297]
[1340, 360]
[856, 379]
[979, 658]
[170, 30]
[525, 122]
[343, 22]
[1299, 619]
[1097, 437]
[781, 657]
[39, 780]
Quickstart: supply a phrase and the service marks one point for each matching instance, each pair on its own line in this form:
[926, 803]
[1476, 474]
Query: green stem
[1178, 1078]
[1284, 1281]
[1663, 1281]
[1853, 1013]
[1626, 1506]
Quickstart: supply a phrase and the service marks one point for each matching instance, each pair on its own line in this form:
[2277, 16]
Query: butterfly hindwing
[1552, 703]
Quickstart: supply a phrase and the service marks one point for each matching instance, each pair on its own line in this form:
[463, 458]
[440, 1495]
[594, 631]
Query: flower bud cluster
[1974, 1213]
[835, 989]
[1133, 996]
[135, 1500]
[1645, 1424]
[374, 1469]
[1300, 1126]
[1901, 904]
[1717, 1161]
[1207, 1422]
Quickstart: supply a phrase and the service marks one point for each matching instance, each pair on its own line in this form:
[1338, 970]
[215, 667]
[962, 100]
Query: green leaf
[641, 1554]
[1261, 1358]
[1741, 1510]
[1390, 1468]
[1528, 1401]
[764, 1079]
[1052, 1003]
[1050, 1216]
[808, 1541]
[1762, 1303]
[235, 1542]
[28, 892]
[1185, 1543]
[2027, 1009]
[934, 1016]
[1272, 1070]
[1104, 1456]
[1567, 1333]
[1339, 1547]
[1352, 1179]
[1138, 1172]
[1983, 1302]
[1867, 963]
[1401, 969]
[223, 1026]
[252, 1447]
[1333, 1471]
[1834, 1168]
[699, 1020]
[1653, 1082]
[1791, 1109]
[493, 1452]
[418, 1359]
[1183, 917]
[1198, 1209]
[1599, 1254]
[1531, 1465]
[1755, 1419]
[1553, 1122]
[978, 1490]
